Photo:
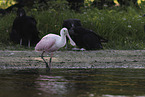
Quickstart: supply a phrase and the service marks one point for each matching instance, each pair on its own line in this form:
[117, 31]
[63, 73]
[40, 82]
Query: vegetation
[123, 27]
[6, 3]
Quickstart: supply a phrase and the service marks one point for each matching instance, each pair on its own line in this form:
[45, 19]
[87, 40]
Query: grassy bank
[124, 28]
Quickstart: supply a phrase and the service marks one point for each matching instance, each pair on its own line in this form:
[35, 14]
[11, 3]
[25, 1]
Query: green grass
[124, 28]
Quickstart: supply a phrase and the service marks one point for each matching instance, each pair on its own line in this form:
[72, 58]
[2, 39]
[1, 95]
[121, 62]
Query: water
[72, 83]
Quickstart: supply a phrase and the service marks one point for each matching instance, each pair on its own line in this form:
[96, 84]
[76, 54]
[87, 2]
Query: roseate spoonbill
[51, 43]
[24, 29]
[85, 38]
[69, 23]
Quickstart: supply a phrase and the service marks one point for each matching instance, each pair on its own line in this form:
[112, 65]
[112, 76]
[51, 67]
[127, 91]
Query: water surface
[72, 82]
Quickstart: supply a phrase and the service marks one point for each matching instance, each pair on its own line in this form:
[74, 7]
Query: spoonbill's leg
[50, 60]
[44, 60]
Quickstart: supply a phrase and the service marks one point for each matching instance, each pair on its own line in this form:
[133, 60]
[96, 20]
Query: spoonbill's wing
[45, 44]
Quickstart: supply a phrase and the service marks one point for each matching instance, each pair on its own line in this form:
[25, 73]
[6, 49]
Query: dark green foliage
[123, 28]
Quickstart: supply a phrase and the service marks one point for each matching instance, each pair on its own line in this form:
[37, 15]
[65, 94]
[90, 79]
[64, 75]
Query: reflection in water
[17, 83]
[72, 83]
[52, 84]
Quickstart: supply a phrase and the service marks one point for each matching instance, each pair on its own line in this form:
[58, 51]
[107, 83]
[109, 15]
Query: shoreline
[74, 59]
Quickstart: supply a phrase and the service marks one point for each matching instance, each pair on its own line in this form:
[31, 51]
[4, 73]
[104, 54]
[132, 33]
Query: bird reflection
[52, 84]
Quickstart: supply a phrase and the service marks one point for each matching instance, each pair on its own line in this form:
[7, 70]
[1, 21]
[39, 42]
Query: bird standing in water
[51, 43]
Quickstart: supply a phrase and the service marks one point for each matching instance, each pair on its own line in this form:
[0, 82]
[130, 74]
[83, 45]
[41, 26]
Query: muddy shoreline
[74, 59]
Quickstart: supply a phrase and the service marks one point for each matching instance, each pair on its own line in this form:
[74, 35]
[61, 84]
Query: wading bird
[51, 43]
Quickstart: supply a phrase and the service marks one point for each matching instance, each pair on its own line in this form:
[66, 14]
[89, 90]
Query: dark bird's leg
[45, 61]
[29, 43]
[20, 41]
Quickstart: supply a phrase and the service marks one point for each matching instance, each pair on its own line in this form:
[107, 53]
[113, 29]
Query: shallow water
[72, 82]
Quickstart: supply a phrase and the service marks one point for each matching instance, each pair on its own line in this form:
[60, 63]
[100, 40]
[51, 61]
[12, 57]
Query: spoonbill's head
[64, 32]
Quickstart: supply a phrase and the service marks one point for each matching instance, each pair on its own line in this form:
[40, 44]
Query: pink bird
[51, 43]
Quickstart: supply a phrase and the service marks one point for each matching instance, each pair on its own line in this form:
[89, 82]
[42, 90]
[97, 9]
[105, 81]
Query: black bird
[24, 30]
[85, 38]
[69, 23]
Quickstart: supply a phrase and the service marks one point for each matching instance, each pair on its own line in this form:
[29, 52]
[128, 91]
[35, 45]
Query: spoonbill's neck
[62, 41]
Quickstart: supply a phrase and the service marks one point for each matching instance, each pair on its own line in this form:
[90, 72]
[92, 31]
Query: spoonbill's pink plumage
[53, 42]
